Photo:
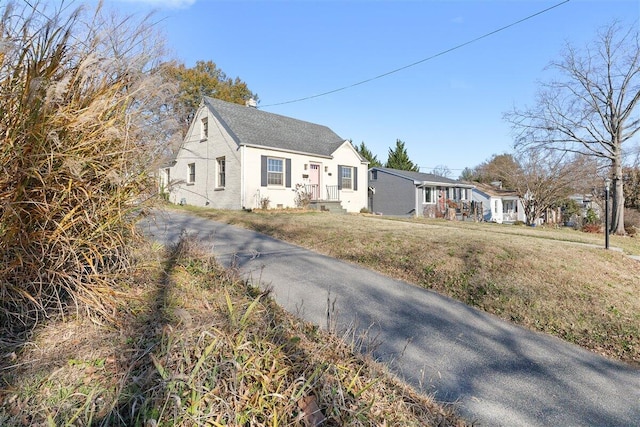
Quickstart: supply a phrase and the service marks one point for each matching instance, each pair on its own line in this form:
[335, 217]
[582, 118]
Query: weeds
[241, 360]
[74, 159]
[541, 278]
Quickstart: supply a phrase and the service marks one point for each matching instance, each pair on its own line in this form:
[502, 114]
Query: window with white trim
[275, 171]
[221, 178]
[192, 173]
[429, 194]
[346, 177]
[204, 128]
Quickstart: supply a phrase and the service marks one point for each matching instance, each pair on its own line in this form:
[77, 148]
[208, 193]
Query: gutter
[284, 150]
[441, 184]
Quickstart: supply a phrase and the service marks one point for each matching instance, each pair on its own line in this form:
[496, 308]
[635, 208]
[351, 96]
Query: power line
[420, 61]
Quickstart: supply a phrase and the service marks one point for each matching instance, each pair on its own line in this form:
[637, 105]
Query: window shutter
[355, 179]
[287, 167]
[339, 177]
[263, 170]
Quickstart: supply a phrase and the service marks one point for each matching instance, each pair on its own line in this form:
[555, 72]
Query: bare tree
[546, 177]
[442, 170]
[500, 167]
[592, 110]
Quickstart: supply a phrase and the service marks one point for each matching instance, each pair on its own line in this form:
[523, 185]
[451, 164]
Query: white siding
[493, 207]
[243, 187]
[204, 154]
[352, 201]
[284, 197]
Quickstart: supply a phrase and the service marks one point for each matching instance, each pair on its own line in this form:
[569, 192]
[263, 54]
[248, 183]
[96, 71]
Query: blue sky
[448, 110]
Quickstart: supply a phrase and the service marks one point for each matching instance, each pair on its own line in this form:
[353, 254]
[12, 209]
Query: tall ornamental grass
[80, 123]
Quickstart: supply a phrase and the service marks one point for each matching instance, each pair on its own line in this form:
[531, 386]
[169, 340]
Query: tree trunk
[617, 206]
[529, 213]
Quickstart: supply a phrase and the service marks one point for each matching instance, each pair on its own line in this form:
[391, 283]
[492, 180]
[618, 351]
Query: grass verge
[546, 279]
[196, 346]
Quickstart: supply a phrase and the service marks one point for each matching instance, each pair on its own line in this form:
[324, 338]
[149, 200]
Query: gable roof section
[250, 126]
[423, 178]
[494, 191]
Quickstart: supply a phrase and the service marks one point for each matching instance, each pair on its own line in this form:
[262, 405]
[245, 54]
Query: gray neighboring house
[406, 193]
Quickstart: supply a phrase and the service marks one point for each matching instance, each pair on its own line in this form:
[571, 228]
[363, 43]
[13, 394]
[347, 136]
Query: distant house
[586, 202]
[239, 157]
[499, 205]
[405, 193]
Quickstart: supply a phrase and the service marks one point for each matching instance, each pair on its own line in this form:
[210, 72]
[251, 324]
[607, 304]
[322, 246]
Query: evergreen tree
[368, 155]
[467, 174]
[399, 159]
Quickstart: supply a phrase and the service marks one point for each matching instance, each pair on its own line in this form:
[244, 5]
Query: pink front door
[314, 179]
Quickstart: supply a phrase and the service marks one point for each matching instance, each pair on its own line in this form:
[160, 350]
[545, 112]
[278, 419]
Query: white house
[240, 157]
[499, 205]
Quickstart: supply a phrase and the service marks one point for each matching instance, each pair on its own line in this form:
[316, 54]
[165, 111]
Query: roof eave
[284, 150]
[441, 184]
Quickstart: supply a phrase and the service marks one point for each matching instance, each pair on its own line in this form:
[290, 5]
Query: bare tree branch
[591, 108]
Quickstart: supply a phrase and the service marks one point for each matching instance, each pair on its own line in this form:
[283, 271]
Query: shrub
[632, 221]
[570, 210]
[264, 203]
[591, 217]
[591, 228]
[74, 124]
[303, 197]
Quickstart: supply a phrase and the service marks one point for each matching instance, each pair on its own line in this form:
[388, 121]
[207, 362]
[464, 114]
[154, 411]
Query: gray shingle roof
[423, 177]
[250, 126]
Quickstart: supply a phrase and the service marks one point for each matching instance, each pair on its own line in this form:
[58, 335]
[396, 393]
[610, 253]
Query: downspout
[417, 200]
[207, 164]
[242, 191]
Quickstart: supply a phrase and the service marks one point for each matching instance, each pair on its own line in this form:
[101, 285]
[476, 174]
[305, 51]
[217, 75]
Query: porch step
[332, 206]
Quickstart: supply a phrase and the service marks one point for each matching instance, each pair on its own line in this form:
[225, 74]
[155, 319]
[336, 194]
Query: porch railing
[509, 216]
[332, 192]
[313, 190]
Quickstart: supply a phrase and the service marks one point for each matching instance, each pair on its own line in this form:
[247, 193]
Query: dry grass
[74, 93]
[545, 279]
[197, 346]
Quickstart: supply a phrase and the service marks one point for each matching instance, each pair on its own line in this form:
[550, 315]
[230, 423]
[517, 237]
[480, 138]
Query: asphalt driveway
[497, 374]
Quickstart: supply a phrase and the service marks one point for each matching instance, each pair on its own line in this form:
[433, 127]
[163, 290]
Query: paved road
[497, 373]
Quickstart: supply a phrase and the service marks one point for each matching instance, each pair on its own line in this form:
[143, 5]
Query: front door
[314, 180]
